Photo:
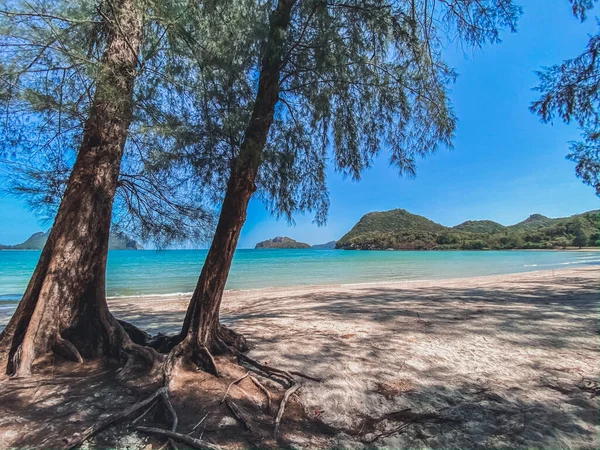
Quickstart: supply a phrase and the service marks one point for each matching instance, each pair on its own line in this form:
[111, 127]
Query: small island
[282, 242]
[327, 246]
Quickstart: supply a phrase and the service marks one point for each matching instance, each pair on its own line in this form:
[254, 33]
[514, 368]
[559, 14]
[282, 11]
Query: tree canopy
[357, 77]
[49, 62]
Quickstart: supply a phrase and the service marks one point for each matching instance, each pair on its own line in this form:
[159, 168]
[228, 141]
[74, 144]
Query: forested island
[281, 242]
[400, 230]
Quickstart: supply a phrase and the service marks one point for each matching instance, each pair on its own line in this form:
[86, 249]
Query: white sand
[508, 360]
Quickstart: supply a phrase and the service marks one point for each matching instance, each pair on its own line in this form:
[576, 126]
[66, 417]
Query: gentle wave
[566, 263]
[174, 294]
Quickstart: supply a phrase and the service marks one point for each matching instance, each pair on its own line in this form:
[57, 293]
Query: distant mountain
[120, 241]
[35, 242]
[281, 242]
[327, 246]
[400, 230]
[117, 241]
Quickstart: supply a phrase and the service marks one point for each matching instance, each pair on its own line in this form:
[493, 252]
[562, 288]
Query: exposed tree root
[67, 350]
[238, 415]
[192, 442]
[284, 400]
[271, 372]
[408, 418]
[232, 339]
[264, 390]
[391, 432]
[137, 335]
[231, 384]
[99, 426]
[303, 375]
[133, 350]
[145, 413]
[274, 373]
[190, 350]
[137, 356]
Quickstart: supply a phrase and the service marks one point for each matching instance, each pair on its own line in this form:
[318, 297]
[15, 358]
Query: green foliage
[580, 238]
[560, 242]
[571, 92]
[479, 226]
[399, 229]
[476, 244]
[358, 78]
[51, 58]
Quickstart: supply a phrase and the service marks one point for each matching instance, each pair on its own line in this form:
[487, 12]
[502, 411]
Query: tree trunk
[202, 334]
[64, 308]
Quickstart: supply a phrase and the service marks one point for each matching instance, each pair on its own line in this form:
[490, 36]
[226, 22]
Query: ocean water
[144, 272]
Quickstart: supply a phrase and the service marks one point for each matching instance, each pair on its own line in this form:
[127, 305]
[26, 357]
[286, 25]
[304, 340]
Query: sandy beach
[501, 361]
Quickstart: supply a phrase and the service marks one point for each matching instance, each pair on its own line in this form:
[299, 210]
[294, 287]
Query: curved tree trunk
[202, 334]
[64, 308]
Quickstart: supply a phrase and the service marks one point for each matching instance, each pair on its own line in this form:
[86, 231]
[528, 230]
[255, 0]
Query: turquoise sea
[143, 272]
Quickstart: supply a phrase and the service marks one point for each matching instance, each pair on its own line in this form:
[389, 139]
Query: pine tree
[64, 307]
[316, 81]
[84, 89]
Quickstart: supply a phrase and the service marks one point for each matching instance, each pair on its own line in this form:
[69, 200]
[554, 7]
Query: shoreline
[308, 287]
[388, 283]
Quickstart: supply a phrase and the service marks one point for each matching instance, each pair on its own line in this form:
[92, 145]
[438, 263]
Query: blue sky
[505, 164]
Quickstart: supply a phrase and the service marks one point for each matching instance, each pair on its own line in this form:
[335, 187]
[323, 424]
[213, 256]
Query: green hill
[400, 230]
[479, 226]
[117, 241]
[35, 242]
[281, 242]
[534, 221]
[391, 229]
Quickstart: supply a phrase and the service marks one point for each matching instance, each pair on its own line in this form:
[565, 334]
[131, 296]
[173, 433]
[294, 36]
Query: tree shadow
[443, 365]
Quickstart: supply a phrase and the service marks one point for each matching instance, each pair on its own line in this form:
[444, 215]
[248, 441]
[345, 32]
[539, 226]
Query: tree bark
[64, 307]
[202, 334]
